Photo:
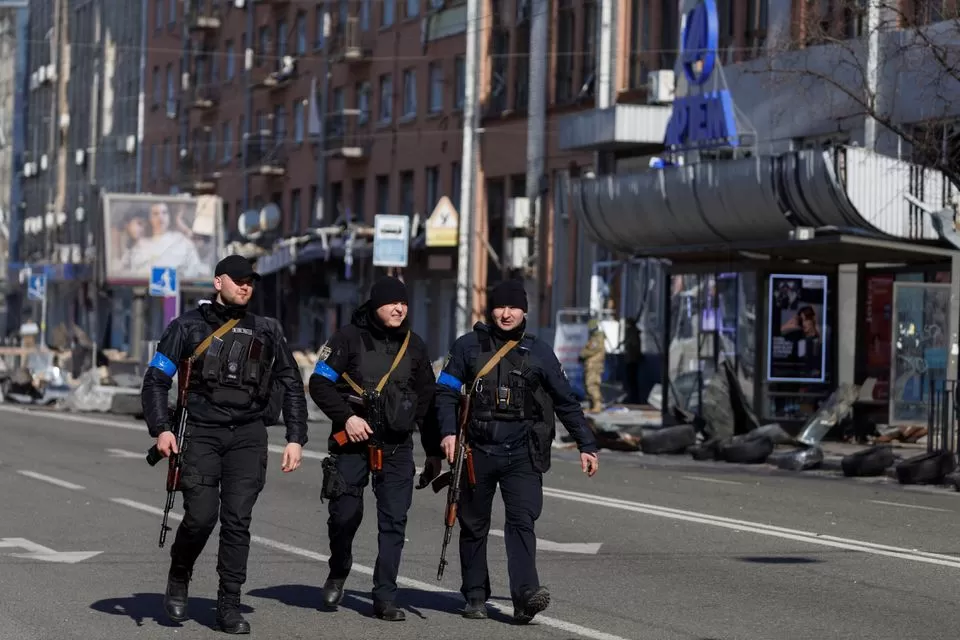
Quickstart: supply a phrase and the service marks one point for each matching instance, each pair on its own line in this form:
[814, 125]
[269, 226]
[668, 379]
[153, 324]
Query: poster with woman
[144, 231]
[796, 340]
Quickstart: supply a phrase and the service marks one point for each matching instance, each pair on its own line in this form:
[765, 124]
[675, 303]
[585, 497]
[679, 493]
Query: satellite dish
[253, 223]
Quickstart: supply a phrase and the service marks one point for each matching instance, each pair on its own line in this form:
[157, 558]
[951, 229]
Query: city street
[649, 549]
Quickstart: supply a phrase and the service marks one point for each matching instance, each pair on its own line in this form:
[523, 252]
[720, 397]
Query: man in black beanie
[517, 389]
[375, 382]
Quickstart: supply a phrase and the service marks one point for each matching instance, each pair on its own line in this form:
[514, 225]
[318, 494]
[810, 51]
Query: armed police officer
[374, 381]
[516, 385]
[236, 361]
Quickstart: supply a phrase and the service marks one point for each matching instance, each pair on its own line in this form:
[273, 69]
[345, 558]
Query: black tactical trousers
[393, 488]
[224, 470]
[522, 490]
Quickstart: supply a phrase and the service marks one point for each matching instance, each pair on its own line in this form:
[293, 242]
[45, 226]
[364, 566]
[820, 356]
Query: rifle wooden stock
[375, 454]
[340, 437]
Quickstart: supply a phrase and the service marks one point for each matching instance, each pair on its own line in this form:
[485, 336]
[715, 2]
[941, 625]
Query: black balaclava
[509, 293]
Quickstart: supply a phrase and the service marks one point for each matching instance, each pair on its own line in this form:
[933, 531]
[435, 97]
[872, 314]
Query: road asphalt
[649, 549]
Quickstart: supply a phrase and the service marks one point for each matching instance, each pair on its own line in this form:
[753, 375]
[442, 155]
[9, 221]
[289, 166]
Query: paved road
[694, 552]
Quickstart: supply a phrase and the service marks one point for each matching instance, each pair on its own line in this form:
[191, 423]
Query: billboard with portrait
[146, 231]
[797, 334]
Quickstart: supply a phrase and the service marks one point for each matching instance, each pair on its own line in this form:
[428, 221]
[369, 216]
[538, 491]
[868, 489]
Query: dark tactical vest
[396, 403]
[235, 371]
[505, 393]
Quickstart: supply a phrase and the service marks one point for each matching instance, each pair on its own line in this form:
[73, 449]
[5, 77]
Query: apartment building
[392, 139]
[82, 126]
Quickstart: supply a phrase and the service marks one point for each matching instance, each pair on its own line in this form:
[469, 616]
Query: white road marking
[123, 453]
[46, 554]
[566, 627]
[588, 548]
[51, 480]
[759, 528]
[713, 480]
[908, 506]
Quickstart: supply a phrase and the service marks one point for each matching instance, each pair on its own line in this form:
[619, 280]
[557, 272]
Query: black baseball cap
[237, 267]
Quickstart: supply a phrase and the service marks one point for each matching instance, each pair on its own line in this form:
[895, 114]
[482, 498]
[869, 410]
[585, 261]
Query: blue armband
[163, 363]
[448, 380]
[326, 371]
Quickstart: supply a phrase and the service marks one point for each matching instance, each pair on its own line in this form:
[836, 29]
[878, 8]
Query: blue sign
[706, 119]
[163, 282]
[391, 240]
[37, 287]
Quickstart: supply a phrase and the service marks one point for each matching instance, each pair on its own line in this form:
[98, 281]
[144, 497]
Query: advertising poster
[145, 231]
[879, 327]
[796, 344]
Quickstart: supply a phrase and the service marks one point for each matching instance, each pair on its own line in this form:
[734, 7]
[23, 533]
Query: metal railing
[943, 416]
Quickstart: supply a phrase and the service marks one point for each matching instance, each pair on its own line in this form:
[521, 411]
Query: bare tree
[894, 62]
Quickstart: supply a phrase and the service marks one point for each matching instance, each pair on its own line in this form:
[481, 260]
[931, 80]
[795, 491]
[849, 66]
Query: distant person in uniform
[593, 356]
[632, 357]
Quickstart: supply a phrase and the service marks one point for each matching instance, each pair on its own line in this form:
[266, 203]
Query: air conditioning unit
[661, 86]
[518, 213]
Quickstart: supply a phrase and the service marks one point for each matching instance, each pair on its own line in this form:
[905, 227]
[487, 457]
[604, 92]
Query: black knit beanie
[509, 293]
[387, 290]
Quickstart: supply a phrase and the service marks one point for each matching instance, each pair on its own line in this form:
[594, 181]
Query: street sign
[163, 282]
[443, 225]
[37, 287]
[391, 240]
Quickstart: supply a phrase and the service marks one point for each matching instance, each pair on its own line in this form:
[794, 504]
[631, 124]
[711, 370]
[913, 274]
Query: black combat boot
[388, 611]
[476, 608]
[175, 598]
[332, 593]
[531, 603]
[228, 613]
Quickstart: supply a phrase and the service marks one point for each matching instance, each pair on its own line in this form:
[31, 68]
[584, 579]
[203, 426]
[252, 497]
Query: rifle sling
[386, 376]
[494, 361]
[219, 333]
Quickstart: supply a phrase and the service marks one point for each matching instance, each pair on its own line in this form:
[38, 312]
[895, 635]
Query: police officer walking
[238, 358]
[375, 382]
[517, 384]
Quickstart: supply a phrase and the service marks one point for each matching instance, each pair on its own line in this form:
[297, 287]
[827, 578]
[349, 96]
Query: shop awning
[762, 199]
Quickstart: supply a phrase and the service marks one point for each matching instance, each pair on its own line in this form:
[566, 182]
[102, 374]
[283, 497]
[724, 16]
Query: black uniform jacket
[341, 354]
[178, 342]
[460, 370]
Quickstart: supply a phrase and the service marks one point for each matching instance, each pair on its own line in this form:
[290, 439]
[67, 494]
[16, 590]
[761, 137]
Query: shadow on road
[779, 559]
[414, 601]
[140, 607]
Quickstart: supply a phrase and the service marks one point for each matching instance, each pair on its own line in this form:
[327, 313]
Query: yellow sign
[443, 225]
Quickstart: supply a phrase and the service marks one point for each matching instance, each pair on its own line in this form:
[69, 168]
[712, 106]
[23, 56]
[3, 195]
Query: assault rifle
[453, 479]
[176, 459]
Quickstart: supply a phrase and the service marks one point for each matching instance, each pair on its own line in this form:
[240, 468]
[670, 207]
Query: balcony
[198, 174]
[266, 154]
[205, 97]
[278, 78]
[351, 44]
[202, 18]
[347, 137]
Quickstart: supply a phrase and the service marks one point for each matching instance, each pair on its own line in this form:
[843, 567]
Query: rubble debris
[801, 459]
[747, 449]
[675, 439]
[926, 468]
[837, 409]
[873, 461]
[902, 433]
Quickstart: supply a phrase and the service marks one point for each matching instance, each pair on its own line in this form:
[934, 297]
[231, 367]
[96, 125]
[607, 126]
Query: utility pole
[186, 78]
[468, 172]
[536, 131]
[248, 109]
[320, 206]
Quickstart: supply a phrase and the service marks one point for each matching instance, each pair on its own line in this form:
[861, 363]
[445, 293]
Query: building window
[410, 93]
[153, 162]
[435, 98]
[359, 197]
[172, 17]
[459, 81]
[386, 18]
[264, 49]
[298, 122]
[386, 98]
[406, 193]
[281, 40]
[171, 83]
[158, 15]
[212, 146]
[227, 141]
[318, 20]
[413, 8]
[231, 63]
[364, 15]
[566, 21]
[383, 194]
[157, 86]
[295, 211]
[280, 123]
[301, 33]
[336, 199]
[433, 188]
[455, 184]
[167, 157]
[363, 102]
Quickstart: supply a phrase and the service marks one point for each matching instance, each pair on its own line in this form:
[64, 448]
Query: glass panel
[920, 331]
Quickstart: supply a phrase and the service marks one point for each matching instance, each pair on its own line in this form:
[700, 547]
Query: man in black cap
[375, 382]
[236, 361]
[516, 385]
